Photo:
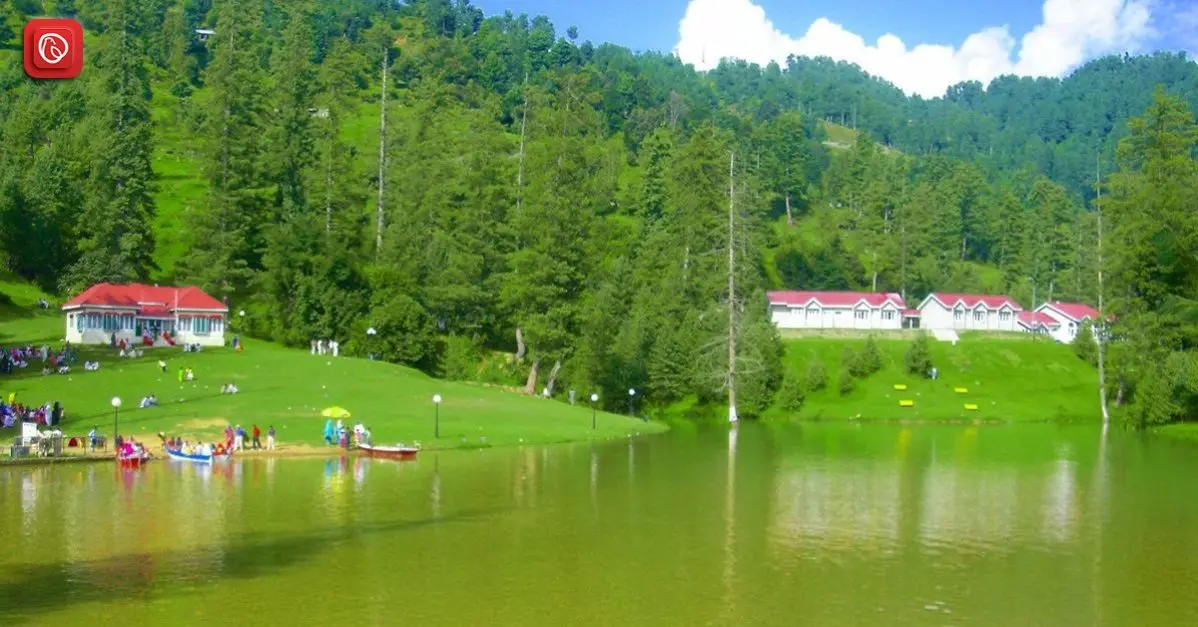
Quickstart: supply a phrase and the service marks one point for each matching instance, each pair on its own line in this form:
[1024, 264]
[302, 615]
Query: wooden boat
[178, 455]
[132, 461]
[389, 452]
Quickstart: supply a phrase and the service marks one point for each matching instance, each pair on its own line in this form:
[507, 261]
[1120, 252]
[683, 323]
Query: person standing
[270, 438]
[239, 439]
[257, 433]
[328, 432]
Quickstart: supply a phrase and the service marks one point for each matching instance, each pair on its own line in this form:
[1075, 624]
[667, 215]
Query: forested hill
[461, 181]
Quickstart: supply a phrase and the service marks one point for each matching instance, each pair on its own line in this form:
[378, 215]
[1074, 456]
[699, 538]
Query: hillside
[288, 389]
[1010, 380]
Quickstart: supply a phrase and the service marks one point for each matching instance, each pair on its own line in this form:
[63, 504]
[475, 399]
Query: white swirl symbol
[52, 47]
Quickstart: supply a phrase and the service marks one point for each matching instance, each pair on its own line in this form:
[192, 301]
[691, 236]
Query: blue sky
[760, 30]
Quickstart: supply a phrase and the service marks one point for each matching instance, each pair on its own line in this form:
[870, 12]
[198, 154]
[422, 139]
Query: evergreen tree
[118, 245]
[228, 235]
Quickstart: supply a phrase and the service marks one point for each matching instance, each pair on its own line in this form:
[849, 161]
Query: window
[1004, 316]
[979, 316]
[958, 315]
[861, 314]
[888, 314]
[201, 326]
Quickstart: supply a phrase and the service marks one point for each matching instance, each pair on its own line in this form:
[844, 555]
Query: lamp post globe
[594, 399]
[631, 401]
[116, 409]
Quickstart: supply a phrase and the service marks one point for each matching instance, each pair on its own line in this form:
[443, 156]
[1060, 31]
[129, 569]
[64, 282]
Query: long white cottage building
[837, 310]
[969, 312]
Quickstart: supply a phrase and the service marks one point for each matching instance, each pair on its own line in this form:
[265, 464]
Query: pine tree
[228, 235]
[118, 245]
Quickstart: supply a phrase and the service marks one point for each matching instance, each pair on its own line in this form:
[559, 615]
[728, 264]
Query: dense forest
[467, 183]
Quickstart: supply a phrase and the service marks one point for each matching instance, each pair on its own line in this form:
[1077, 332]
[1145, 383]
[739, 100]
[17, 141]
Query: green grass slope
[286, 388]
[1008, 379]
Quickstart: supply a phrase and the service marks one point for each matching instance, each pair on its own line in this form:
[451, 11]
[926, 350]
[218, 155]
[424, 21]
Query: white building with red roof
[836, 310]
[1069, 318]
[1036, 322]
[148, 315]
[969, 312]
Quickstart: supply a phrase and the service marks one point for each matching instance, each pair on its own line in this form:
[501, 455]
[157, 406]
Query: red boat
[132, 461]
[390, 452]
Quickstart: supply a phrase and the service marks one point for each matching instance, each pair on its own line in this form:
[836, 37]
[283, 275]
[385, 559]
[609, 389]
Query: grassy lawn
[288, 388]
[1009, 380]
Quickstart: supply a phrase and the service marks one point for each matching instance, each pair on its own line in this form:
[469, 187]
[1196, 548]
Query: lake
[818, 524]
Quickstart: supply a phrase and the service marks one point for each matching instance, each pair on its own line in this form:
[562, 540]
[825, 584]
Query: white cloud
[1070, 33]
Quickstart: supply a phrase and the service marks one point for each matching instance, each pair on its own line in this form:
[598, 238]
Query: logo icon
[53, 48]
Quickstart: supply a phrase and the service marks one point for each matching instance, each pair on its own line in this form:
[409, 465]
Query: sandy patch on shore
[210, 423]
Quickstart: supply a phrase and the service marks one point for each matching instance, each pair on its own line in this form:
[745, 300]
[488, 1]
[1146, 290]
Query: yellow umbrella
[334, 412]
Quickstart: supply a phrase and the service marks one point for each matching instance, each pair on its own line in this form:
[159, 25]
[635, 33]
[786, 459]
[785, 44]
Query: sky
[922, 46]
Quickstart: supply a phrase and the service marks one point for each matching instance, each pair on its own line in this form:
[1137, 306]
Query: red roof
[836, 299]
[1032, 319]
[1073, 311]
[969, 301]
[146, 299]
[911, 313]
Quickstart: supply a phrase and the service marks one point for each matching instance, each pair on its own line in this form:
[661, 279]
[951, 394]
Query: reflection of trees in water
[30, 591]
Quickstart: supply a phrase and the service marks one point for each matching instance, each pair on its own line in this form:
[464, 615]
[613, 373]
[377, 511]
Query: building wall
[90, 336]
[1068, 329]
[787, 317]
[933, 315]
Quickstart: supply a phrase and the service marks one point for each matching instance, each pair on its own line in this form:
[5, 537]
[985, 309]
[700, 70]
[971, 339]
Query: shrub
[459, 359]
[816, 378]
[1084, 345]
[791, 395]
[919, 357]
[848, 382]
[870, 357]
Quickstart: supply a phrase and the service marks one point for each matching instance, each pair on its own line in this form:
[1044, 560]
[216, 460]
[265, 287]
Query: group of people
[341, 436]
[91, 366]
[130, 448]
[235, 438]
[12, 413]
[148, 401]
[326, 347]
[229, 389]
[18, 357]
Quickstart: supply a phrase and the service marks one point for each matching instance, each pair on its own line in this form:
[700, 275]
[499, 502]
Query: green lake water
[764, 525]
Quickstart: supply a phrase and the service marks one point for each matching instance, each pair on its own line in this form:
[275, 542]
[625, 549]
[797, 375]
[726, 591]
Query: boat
[132, 461]
[178, 455]
[389, 452]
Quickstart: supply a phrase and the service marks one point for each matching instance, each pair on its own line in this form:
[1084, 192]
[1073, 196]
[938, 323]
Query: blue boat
[201, 459]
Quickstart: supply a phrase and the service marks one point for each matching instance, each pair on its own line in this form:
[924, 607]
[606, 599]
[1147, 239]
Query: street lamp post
[116, 411]
[437, 415]
[594, 399]
[631, 402]
[370, 333]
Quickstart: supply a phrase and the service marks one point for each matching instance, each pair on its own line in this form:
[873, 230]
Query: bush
[1084, 345]
[870, 357]
[919, 357]
[459, 359]
[816, 378]
[848, 382]
[791, 395]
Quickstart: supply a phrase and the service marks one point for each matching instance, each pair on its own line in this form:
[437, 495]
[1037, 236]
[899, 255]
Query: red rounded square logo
[53, 48]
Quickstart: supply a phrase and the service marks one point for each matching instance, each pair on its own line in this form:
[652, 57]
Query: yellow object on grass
[334, 412]
[900, 386]
[971, 407]
[907, 403]
[960, 390]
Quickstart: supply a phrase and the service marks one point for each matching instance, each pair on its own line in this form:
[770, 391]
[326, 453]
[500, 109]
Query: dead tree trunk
[557, 367]
[520, 165]
[732, 417]
[530, 386]
[790, 218]
[1102, 324]
[520, 348]
[380, 209]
